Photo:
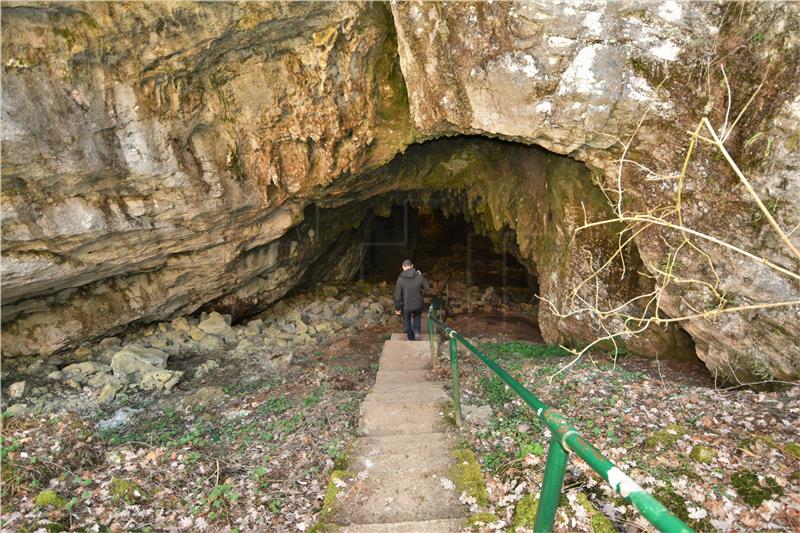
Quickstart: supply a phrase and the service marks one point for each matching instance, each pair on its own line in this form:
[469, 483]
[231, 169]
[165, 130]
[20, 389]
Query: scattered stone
[17, 409]
[181, 324]
[196, 334]
[145, 367]
[205, 368]
[121, 417]
[523, 428]
[478, 416]
[17, 390]
[133, 361]
[203, 397]
[110, 389]
[110, 343]
[55, 375]
[81, 372]
[35, 367]
[160, 380]
[211, 344]
[215, 324]
[283, 361]
[243, 349]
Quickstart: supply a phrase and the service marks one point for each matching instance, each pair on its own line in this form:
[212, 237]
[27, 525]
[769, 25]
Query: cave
[204, 210]
[437, 242]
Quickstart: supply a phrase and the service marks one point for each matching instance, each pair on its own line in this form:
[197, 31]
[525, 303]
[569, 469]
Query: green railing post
[431, 334]
[557, 458]
[456, 384]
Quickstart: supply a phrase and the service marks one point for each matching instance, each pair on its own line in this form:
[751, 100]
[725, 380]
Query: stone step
[423, 394]
[421, 526]
[409, 361]
[397, 462]
[421, 443]
[391, 418]
[400, 376]
[407, 387]
[399, 496]
[405, 348]
[404, 337]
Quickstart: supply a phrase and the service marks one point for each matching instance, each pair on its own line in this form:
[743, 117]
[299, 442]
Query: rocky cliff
[162, 157]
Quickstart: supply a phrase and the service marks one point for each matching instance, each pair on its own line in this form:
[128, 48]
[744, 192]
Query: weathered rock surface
[154, 154]
[578, 79]
[164, 156]
[145, 367]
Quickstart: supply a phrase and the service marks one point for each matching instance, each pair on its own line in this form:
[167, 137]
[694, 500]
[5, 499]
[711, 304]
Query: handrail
[565, 438]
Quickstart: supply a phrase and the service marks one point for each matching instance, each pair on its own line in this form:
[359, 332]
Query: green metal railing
[565, 439]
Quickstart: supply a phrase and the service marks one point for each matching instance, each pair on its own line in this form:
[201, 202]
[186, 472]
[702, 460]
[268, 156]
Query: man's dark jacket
[408, 291]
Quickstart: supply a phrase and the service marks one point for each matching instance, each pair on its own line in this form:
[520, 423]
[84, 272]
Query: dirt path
[399, 470]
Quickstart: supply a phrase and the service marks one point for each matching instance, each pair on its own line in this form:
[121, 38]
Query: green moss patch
[754, 490]
[126, 491]
[665, 438]
[467, 476]
[525, 512]
[50, 498]
[677, 505]
[329, 502]
[703, 454]
[481, 519]
[600, 522]
[793, 449]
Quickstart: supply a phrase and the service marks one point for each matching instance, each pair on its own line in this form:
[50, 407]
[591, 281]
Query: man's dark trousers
[412, 319]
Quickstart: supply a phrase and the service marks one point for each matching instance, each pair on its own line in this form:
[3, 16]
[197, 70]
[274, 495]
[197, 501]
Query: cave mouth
[446, 247]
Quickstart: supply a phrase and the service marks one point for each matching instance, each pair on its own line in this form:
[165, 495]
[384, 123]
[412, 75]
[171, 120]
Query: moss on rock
[50, 498]
[600, 523]
[665, 438]
[126, 491]
[481, 519]
[329, 503]
[525, 512]
[703, 454]
[467, 476]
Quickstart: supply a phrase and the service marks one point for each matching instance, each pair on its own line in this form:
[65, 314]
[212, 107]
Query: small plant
[275, 405]
[218, 502]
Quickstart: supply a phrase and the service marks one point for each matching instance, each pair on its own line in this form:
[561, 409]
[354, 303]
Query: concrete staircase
[399, 477]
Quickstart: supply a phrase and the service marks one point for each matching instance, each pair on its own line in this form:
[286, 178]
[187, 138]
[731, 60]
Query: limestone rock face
[166, 156]
[588, 80]
[155, 153]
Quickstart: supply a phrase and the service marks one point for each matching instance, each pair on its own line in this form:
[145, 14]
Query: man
[408, 298]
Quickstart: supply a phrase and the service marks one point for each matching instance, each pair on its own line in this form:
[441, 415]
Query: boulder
[204, 369]
[203, 396]
[145, 367]
[160, 380]
[476, 415]
[181, 324]
[81, 372]
[133, 361]
[121, 417]
[17, 390]
[17, 409]
[211, 344]
[215, 324]
[110, 389]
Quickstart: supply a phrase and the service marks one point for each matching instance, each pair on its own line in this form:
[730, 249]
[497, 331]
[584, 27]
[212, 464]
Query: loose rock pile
[160, 356]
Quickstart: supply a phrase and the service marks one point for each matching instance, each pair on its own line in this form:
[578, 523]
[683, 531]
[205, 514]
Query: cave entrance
[448, 250]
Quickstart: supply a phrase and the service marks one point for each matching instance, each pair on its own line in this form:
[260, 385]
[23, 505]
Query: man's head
[407, 264]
